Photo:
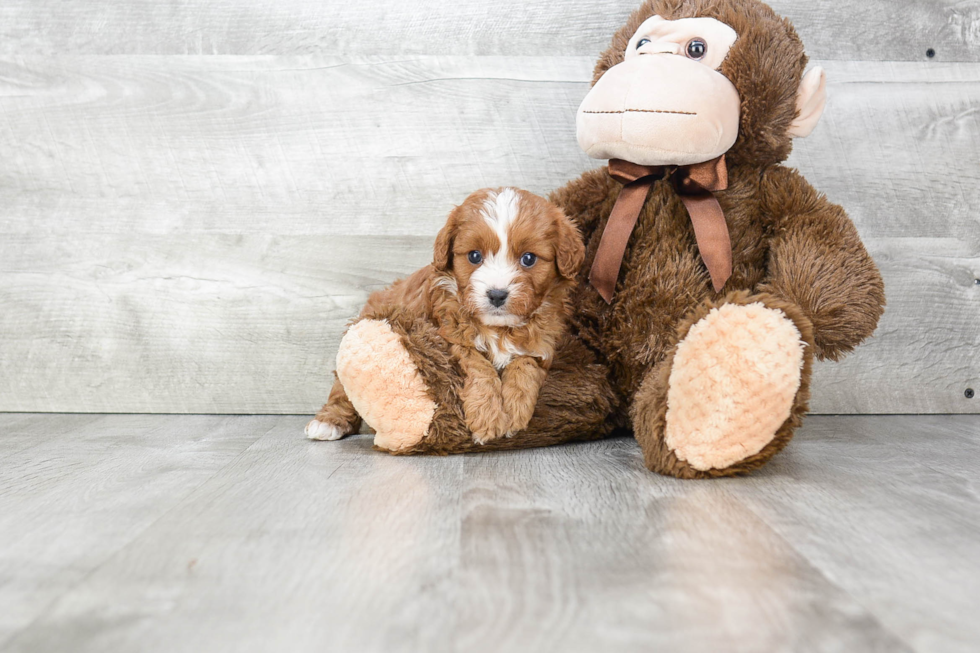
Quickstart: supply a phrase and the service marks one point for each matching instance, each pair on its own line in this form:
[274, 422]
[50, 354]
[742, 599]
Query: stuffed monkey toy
[713, 274]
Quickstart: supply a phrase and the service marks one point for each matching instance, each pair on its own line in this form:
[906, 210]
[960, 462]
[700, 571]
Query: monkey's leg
[400, 376]
[383, 384]
[337, 418]
[732, 392]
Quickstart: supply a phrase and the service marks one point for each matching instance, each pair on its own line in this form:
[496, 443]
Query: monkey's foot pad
[732, 385]
[384, 385]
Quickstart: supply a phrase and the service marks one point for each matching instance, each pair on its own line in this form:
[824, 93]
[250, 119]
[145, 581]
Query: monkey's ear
[809, 103]
[442, 251]
[571, 251]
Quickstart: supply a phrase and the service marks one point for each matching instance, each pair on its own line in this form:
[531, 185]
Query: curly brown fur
[503, 350]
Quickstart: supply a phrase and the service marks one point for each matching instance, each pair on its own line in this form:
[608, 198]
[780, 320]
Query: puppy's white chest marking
[500, 350]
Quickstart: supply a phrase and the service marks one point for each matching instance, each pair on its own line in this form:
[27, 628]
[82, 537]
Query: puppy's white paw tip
[317, 430]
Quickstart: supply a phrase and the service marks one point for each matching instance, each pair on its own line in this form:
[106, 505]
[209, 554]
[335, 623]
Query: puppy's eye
[528, 259]
[697, 48]
[475, 257]
[641, 43]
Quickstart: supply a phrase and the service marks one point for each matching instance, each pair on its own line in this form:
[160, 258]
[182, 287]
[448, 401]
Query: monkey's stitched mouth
[677, 113]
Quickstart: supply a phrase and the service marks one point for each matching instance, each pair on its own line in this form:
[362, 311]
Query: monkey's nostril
[497, 297]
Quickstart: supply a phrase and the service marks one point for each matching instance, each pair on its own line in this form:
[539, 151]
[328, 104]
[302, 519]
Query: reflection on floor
[216, 533]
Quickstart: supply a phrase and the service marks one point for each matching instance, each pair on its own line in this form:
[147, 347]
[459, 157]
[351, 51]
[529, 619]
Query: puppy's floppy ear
[442, 251]
[570, 252]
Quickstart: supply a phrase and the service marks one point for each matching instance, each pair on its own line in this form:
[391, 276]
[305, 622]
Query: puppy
[497, 291]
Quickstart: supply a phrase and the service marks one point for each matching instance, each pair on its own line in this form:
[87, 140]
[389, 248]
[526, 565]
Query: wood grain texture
[190, 234]
[294, 145]
[649, 564]
[87, 486]
[877, 30]
[861, 536]
[206, 323]
[294, 544]
[930, 463]
[22, 431]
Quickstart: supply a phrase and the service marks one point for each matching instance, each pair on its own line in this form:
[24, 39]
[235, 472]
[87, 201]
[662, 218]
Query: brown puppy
[497, 291]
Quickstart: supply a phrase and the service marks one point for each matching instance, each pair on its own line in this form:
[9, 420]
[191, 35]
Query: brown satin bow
[695, 185]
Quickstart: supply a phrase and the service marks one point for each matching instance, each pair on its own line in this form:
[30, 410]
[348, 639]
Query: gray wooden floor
[210, 533]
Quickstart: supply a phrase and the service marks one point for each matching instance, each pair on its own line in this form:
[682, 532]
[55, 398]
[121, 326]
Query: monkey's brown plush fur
[797, 259]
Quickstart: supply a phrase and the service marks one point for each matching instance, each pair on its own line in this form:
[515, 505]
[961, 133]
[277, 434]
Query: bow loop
[695, 185]
[626, 173]
[700, 178]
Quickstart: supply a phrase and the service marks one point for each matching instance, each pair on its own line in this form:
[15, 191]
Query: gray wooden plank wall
[196, 196]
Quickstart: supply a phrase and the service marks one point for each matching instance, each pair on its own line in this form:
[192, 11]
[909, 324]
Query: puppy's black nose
[497, 297]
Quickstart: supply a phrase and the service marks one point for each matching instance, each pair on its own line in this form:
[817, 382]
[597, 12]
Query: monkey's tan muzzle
[659, 109]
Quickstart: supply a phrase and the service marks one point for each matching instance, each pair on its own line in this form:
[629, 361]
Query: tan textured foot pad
[384, 385]
[732, 385]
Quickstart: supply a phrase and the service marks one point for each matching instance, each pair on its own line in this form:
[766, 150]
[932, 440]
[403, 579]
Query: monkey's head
[686, 81]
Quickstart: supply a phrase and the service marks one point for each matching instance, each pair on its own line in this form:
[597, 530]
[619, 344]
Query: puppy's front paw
[521, 381]
[486, 420]
[317, 430]
[520, 412]
[483, 434]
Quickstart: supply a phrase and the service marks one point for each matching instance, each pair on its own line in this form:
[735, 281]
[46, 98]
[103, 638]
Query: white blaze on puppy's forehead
[498, 270]
[499, 211]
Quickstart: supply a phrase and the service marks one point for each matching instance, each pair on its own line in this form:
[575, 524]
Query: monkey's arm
[483, 404]
[521, 382]
[817, 260]
[582, 199]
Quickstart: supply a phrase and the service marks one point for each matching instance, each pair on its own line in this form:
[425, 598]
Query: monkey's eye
[697, 48]
[641, 43]
[475, 257]
[528, 259]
